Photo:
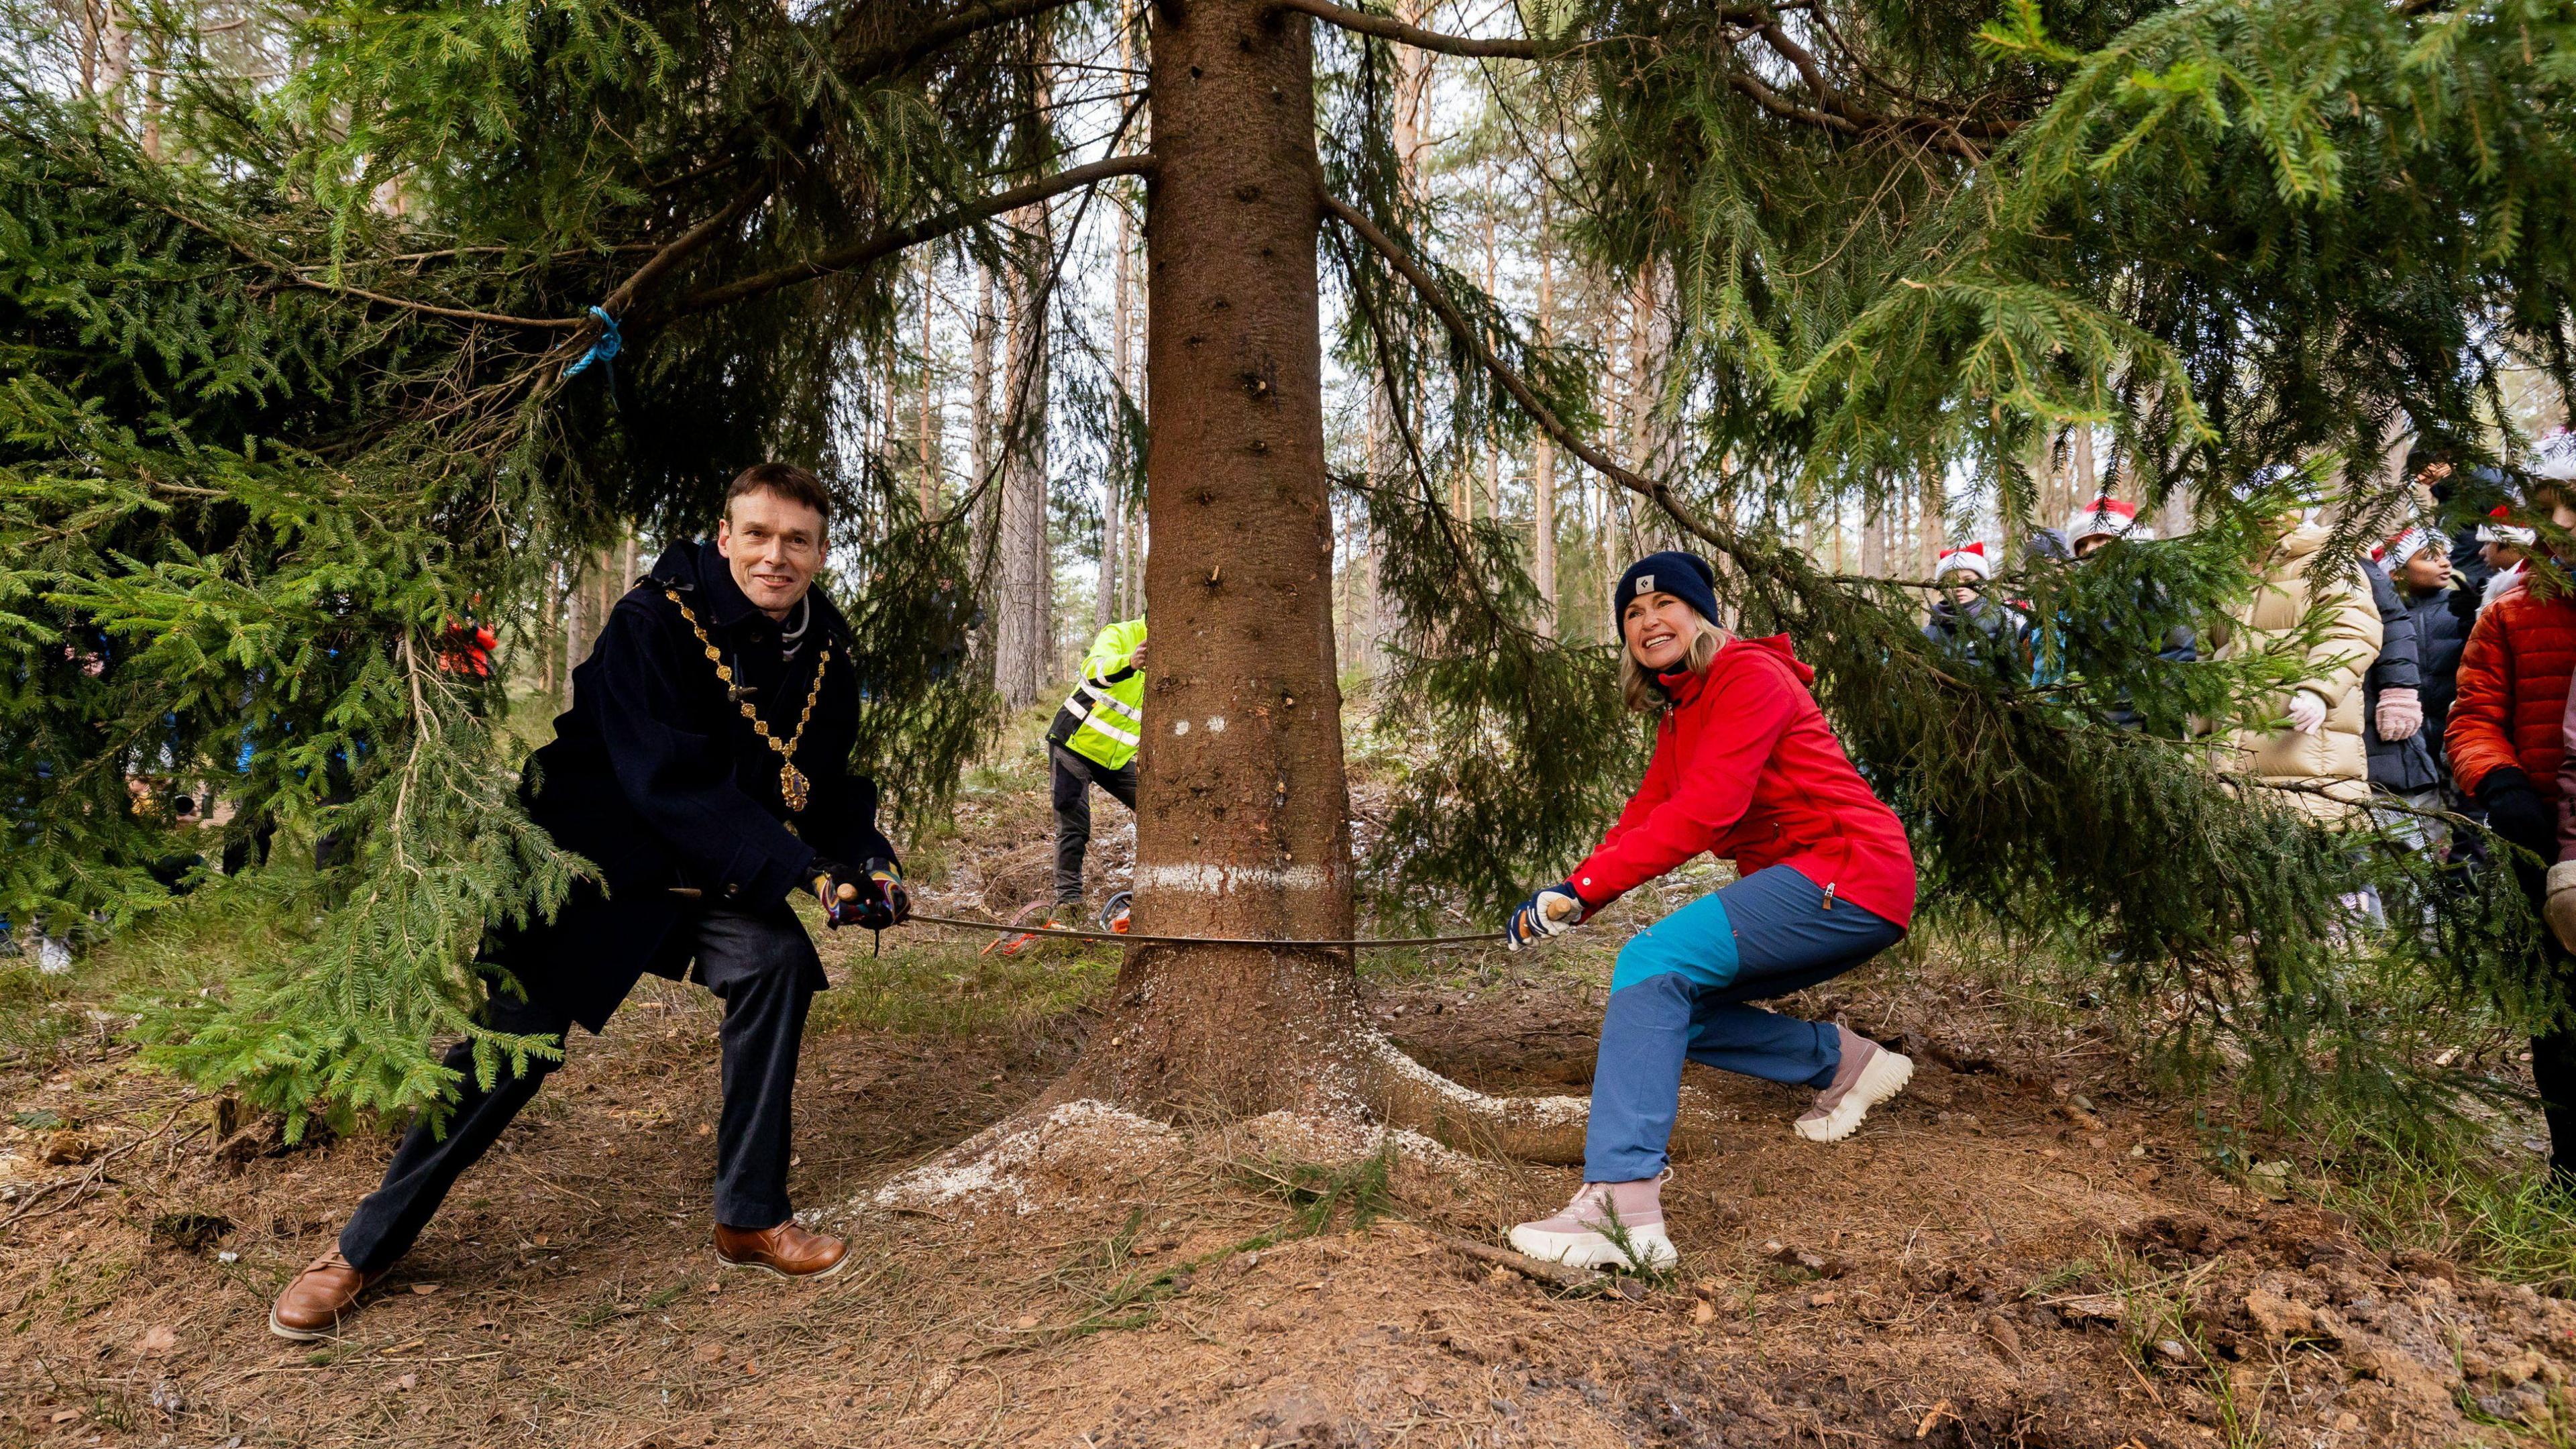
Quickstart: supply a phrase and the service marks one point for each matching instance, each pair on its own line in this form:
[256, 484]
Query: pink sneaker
[1592, 1229]
[1869, 1074]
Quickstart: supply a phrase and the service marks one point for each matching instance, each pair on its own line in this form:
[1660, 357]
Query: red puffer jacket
[2513, 692]
[1745, 767]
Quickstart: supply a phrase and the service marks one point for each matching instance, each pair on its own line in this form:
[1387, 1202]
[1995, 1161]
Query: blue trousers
[1679, 992]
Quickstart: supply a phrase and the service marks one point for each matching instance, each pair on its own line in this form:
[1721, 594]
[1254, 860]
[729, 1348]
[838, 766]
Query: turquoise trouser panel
[1697, 941]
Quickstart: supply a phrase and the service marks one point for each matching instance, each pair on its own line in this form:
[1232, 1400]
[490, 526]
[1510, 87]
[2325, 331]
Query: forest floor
[2030, 1247]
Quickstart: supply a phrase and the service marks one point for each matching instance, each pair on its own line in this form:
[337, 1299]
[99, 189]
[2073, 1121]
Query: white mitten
[2307, 711]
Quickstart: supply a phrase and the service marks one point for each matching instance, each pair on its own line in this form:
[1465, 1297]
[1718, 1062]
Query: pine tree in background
[294, 389]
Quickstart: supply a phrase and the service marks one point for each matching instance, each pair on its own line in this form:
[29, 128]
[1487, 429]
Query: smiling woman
[1745, 767]
[1665, 634]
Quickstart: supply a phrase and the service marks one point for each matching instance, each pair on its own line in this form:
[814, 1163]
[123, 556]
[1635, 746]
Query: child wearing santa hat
[1965, 624]
[2103, 521]
[2099, 522]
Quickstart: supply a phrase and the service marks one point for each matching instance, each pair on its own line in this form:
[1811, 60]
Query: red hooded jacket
[2513, 692]
[1745, 767]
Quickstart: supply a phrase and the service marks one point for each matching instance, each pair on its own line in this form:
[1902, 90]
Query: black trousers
[755, 963]
[1073, 778]
[2553, 1053]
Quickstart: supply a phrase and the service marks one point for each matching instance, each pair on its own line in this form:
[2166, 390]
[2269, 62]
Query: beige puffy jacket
[2332, 760]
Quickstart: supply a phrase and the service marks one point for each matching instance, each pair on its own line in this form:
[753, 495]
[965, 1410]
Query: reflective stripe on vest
[1094, 722]
[1113, 703]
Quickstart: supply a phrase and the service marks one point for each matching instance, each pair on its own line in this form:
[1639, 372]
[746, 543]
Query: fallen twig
[1528, 1267]
[80, 1188]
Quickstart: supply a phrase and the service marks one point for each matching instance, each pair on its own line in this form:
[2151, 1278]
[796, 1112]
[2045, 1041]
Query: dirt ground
[2025, 1249]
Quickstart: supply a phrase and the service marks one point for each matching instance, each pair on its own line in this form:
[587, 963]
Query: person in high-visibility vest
[1093, 742]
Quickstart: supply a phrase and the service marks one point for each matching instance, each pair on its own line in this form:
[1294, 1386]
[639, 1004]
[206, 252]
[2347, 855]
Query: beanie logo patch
[1645, 583]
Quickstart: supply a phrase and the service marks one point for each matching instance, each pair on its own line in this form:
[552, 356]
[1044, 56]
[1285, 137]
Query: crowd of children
[2370, 720]
[2432, 685]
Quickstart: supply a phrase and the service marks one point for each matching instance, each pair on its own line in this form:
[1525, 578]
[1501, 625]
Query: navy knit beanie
[1685, 576]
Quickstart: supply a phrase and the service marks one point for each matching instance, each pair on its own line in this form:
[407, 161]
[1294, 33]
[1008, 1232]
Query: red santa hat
[2105, 517]
[1967, 558]
[2405, 544]
[2496, 530]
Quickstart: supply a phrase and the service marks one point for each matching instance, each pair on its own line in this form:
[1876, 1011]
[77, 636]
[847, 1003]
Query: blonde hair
[1638, 684]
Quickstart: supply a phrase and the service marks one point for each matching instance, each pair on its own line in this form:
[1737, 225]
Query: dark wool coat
[658, 780]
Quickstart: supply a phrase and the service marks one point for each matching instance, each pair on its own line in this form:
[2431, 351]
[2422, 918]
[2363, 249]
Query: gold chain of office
[793, 787]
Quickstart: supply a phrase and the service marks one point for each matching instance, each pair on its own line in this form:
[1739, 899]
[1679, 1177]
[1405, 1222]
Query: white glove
[2558, 906]
[2307, 711]
[2400, 714]
[1552, 911]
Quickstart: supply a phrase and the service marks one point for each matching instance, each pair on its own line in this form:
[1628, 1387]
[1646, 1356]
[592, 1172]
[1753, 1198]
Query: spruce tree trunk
[1543, 471]
[929, 434]
[1024, 586]
[1242, 814]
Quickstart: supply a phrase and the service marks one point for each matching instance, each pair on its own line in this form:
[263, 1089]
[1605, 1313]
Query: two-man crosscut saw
[1131, 938]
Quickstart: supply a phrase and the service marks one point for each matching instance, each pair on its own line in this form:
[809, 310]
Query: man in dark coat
[703, 769]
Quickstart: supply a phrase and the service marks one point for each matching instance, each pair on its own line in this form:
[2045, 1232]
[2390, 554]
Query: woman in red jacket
[2507, 742]
[1745, 767]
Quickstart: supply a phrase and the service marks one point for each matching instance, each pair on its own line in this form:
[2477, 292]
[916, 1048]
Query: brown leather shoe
[312, 1306]
[786, 1250]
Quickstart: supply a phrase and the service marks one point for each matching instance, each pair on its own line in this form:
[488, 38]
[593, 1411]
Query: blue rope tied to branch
[603, 351]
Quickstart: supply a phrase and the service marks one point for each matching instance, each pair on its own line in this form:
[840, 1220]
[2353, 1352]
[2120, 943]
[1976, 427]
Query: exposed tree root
[1409, 1094]
[1086, 1152]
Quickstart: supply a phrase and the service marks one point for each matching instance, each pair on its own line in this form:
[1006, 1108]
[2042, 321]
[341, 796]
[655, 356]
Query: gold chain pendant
[794, 790]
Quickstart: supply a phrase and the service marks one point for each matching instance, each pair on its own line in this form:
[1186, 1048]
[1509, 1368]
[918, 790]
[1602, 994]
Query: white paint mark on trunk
[1217, 880]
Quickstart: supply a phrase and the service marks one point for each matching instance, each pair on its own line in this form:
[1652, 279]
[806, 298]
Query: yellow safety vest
[1109, 717]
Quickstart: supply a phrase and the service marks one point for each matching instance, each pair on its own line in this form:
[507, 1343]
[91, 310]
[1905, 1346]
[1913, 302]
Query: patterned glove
[883, 901]
[1552, 911]
[838, 888]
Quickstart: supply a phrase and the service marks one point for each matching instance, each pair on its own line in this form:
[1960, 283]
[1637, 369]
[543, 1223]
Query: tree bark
[1243, 807]
[980, 381]
[929, 435]
[1026, 596]
[1242, 811]
[1543, 466]
[1113, 501]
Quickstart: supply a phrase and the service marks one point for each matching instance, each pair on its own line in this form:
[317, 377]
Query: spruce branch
[687, 244]
[885, 244]
[297, 276]
[1469, 337]
[879, 61]
[1385, 27]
